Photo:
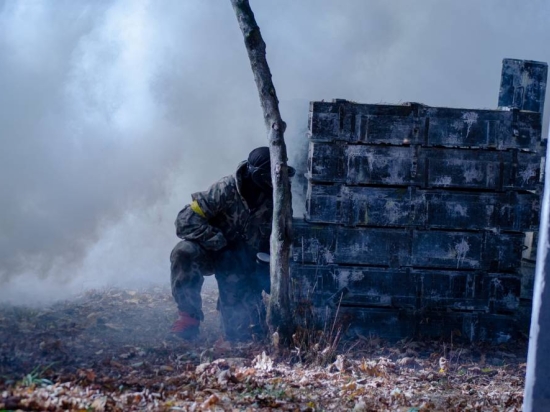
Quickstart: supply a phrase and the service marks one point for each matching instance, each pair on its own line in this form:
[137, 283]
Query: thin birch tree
[279, 316]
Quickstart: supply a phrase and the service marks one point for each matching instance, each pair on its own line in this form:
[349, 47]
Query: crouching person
[223, 229]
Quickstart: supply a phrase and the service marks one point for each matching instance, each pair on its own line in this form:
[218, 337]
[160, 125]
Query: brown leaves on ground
[110, 351]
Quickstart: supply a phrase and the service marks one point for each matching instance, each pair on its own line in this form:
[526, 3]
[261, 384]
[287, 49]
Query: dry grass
[110, 350]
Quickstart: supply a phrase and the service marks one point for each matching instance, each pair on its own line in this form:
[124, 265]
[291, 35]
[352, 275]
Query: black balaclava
[259, 168]
[257, 179]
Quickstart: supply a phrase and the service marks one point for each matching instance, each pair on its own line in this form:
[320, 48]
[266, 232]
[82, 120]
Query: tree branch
[279, 315]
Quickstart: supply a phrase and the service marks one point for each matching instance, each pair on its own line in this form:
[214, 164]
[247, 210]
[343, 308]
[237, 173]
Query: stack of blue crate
[416, 215]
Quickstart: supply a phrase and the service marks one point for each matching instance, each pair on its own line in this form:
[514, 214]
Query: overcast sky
[113, 112]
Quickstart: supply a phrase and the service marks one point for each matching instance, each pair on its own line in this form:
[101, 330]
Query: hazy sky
[113, 112]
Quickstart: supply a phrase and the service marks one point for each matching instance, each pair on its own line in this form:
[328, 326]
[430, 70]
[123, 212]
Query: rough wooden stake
[279, 316]
[537, 380]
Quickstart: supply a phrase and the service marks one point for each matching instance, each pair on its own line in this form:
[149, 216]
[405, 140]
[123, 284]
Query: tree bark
[537, 379]
[279, 316]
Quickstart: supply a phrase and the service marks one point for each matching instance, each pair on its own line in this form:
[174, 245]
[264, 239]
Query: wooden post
[537, 381]
[523, 86]
[279, 315]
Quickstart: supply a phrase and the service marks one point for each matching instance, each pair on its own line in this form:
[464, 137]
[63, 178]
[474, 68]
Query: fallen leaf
[263, 362]
[212, 400]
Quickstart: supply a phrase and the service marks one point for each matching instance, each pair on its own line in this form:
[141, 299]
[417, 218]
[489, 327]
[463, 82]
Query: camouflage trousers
[240, 286]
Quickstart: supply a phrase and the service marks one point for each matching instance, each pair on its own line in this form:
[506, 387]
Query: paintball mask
[261, 175]
[259, 168]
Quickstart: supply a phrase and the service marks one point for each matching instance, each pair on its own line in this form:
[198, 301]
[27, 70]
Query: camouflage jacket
[220, 217]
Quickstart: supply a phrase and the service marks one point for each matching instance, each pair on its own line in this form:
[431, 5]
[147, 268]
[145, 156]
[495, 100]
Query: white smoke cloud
[113, 112]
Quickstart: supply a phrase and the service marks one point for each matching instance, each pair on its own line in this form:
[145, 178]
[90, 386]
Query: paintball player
[223, 230]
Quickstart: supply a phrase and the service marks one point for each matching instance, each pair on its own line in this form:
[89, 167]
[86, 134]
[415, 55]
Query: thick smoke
[113, 112]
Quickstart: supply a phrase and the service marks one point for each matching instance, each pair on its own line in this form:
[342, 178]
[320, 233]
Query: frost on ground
[110, 351]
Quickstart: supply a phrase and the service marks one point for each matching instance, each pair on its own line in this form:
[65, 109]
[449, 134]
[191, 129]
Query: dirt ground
[110, 350]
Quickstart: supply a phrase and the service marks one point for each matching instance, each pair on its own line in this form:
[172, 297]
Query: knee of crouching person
[185, 250]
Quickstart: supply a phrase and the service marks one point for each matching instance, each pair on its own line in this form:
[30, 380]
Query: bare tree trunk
[537, 379]
[279, 316]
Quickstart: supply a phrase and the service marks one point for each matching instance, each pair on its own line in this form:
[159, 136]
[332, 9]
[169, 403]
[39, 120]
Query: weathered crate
[468, 291]
[390, 324]
[348, 122]
[321, 244]
[523, 84]
[504, 292]
[412, 289]
[386, 247]
[354, 286]
[484, 129]
[477, 250]
[415, 215]
[423, 167]
[417, 124]
[408, 206]
[395, 324]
